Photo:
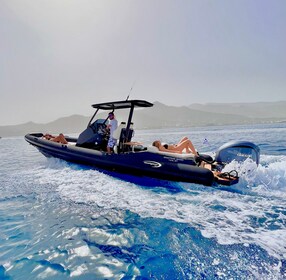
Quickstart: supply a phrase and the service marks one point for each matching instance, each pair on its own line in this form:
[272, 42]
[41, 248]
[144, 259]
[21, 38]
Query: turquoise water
[67, 221]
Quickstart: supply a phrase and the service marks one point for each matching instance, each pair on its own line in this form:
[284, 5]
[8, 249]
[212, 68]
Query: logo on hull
[153, 164]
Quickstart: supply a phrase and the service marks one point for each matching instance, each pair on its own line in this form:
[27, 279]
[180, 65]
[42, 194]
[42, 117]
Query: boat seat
[120, 134]
[116, 135]
[155, 150]
[117, 131]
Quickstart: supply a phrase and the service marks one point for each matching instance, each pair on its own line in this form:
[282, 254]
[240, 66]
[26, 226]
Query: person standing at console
[111, 126]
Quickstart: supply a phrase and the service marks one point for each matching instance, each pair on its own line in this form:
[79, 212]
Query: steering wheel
[103, 130]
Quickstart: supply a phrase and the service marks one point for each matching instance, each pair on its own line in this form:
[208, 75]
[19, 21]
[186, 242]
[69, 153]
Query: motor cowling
[239, 151]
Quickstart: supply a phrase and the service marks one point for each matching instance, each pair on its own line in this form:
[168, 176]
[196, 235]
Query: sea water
[67, 221]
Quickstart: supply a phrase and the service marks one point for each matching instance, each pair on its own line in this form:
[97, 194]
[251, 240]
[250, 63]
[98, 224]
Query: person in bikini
[183, 144]
[59, 139]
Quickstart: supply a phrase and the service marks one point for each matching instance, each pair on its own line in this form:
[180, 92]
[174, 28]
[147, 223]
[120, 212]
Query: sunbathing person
[183, 144]
[59, 139]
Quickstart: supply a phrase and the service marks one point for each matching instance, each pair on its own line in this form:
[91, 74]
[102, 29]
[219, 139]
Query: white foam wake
[269, 175]
[229, 217]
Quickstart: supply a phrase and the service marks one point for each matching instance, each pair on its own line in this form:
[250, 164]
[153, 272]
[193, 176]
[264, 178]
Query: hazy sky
[57, 57]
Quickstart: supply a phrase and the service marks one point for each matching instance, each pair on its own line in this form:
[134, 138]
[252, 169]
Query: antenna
[130, 90]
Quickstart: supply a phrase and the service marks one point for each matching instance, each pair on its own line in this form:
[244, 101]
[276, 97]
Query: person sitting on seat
[111, 126]
[59, 139]
[183, 144]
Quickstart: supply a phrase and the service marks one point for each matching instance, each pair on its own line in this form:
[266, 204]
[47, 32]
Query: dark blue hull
[142, 163]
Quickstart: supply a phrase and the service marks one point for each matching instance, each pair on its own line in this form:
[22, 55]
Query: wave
[254, 216]
[269, 176]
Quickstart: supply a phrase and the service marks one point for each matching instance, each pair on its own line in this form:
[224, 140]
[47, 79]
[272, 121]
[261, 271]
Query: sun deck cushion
[155, 150]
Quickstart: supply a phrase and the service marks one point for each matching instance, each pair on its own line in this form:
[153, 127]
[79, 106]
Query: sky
[57, 57]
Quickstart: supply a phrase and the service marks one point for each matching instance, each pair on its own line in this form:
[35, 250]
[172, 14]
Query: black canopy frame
[118, 105]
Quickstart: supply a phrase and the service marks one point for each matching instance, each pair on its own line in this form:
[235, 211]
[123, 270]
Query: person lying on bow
[59, 139]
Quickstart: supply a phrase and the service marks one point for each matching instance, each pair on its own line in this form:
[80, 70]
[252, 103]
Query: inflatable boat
[139, 159]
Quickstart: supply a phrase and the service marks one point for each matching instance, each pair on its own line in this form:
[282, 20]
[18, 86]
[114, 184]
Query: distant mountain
[161, 115]
[170, 116]
[251, 110]
[70, 124]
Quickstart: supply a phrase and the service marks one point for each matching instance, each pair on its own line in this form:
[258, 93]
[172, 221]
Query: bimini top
[122, 104]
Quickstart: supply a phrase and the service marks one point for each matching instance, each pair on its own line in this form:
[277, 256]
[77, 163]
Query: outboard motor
[237, 150]
[94, 135]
